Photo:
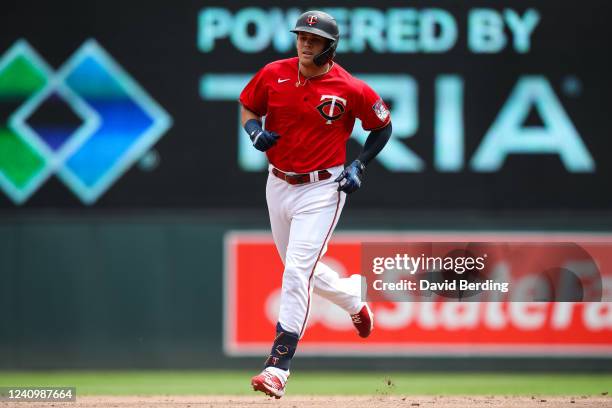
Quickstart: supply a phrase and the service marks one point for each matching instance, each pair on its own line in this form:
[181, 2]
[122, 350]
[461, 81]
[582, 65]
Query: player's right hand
[263, 140]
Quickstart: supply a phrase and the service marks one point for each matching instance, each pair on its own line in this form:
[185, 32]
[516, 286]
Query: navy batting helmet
[320, 23]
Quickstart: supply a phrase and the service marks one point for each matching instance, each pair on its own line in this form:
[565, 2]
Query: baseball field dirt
[219, 388]
[296, 401]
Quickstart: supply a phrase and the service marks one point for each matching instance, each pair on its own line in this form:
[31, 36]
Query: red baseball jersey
[315, 118]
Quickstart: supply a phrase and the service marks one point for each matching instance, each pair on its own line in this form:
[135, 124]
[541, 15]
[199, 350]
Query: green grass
[315, 383]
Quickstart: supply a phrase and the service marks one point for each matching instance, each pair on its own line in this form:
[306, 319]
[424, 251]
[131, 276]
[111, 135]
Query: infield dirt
[296, 401]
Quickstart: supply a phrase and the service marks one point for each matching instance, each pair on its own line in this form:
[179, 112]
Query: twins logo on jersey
[332, 107]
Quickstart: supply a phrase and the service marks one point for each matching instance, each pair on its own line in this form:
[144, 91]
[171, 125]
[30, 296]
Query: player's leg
[344, 292]
[272, 379]
[277, 192]
[316, 214]
[315, 210]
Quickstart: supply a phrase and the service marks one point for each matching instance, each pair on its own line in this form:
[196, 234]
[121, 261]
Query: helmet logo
[312, 20]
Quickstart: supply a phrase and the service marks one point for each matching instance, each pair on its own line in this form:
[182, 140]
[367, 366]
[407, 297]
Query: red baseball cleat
[364, 321]
[271, 381]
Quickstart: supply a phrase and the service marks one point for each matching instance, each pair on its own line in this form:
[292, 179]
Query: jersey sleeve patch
[381, 110]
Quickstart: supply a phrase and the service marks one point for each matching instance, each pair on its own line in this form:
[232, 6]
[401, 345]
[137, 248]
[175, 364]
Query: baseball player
[310, 104]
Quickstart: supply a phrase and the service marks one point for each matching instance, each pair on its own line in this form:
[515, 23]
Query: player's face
[309, 45]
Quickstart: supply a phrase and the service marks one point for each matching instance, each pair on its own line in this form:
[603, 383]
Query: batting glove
[350, 178]
[262, 139]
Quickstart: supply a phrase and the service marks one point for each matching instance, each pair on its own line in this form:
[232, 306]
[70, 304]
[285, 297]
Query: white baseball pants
[303, 218]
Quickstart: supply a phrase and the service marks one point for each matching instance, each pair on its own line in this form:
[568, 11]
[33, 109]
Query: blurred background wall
[123, 164]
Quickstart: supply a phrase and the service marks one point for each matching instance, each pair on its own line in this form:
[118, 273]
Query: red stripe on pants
[316, 262]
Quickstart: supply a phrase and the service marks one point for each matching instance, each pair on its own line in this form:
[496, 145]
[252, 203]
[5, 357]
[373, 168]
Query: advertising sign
[495, 106]
[253, 274]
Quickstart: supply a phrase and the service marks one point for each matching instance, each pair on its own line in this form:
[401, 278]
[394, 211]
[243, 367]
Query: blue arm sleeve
[377, 139]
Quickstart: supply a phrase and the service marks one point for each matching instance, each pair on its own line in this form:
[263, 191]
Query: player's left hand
[350, 178]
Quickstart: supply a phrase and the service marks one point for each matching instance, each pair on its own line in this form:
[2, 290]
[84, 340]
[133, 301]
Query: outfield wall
[146, 290]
